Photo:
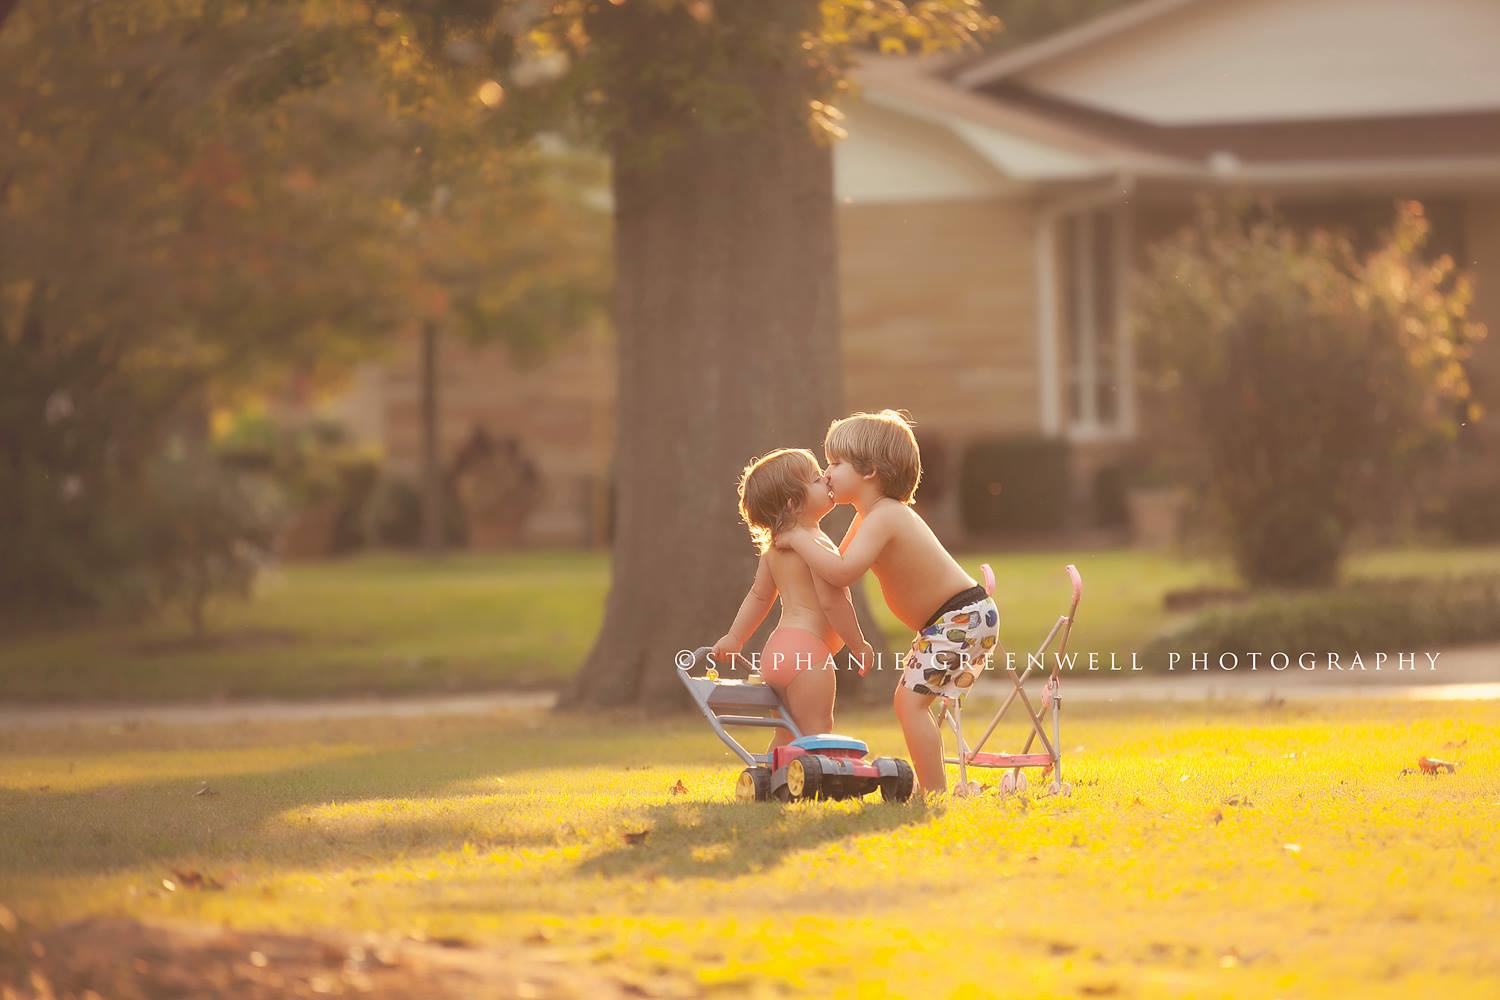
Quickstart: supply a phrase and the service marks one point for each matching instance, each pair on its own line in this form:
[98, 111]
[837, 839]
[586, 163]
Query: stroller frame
[950, 710]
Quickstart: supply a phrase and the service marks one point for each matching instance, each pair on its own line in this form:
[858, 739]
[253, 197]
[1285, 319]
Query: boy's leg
[923, 741]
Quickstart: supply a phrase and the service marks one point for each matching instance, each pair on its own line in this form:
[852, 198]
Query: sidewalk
[1470, 673]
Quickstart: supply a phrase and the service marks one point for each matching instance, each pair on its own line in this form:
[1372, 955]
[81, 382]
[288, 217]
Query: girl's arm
[753, 611]
[838, 608]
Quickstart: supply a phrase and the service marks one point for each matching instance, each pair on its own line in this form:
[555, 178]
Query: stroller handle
[1077, 579]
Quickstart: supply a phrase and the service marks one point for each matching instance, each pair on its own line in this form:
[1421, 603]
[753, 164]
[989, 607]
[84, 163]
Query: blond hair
[882, 443]
[772, 491]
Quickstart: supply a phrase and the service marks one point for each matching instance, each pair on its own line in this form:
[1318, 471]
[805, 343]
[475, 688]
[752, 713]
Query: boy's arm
[842, 570]
[849, 535]
[753, 611]
[838, 608]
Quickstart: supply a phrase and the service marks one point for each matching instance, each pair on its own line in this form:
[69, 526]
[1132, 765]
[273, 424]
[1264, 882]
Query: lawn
[1234, 850]
[392, 625]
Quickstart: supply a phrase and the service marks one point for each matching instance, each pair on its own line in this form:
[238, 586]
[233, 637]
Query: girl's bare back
[800, 604]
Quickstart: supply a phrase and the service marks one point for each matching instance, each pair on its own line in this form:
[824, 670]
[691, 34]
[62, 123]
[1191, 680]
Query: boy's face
[843, 480]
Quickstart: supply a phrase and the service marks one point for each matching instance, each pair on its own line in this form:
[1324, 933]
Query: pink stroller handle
[1077, 579]
[989, 578]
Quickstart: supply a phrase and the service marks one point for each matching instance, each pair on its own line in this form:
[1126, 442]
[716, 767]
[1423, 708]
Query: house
[993, 205]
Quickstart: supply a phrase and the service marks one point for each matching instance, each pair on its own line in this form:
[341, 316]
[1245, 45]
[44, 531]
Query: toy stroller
[825, 766]
[951, 710]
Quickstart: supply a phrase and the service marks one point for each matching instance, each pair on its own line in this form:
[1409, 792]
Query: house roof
[1022, 142]
[989, 68]
[993, 100]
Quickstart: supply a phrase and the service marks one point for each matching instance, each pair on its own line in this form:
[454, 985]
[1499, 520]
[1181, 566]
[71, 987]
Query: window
[1089, 245]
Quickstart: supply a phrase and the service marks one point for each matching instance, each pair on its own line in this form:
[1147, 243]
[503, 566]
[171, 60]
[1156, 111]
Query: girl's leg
[923, 741]
[809, 699]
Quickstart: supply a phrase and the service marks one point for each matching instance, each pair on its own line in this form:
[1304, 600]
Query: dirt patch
[122, 959]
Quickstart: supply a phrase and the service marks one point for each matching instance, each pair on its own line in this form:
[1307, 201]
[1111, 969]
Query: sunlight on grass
[1226, 850]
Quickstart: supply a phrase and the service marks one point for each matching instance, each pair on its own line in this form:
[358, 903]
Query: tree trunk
[432, 472]
[728, 346]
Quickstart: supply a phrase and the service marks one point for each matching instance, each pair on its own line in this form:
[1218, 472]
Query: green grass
[393, 625]
[1223, 851]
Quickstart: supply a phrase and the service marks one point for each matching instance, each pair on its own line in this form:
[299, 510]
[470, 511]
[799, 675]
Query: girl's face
[818, 500]
[843, 480]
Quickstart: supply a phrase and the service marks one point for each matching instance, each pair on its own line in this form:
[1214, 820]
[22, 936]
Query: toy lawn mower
[822, 766]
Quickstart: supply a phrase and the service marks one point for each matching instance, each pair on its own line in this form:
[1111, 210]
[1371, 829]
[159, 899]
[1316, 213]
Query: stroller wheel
[754, 785]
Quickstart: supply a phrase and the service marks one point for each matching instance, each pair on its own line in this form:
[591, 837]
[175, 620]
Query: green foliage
[1307, 380]
[1408, 615]
[196, 200]
[1014, 484]
[635, 71]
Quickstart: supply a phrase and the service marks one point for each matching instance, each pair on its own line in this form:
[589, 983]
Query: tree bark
[432, 472]
[727, 313]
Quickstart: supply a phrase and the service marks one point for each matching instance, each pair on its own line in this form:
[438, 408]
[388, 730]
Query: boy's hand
[725, 648]
[783, 541]
[864, 656]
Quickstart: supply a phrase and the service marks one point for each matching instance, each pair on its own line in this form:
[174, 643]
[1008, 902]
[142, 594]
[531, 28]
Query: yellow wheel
[804, 776]
[754, 785]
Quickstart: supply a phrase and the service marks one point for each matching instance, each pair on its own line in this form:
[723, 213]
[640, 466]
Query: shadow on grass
[727, 839]
[272, 814]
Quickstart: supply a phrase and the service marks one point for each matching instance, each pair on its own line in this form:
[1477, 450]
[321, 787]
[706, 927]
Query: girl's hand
[725, 648]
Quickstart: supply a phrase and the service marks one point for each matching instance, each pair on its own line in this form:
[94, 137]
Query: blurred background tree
[198, 199]
[1309, 381]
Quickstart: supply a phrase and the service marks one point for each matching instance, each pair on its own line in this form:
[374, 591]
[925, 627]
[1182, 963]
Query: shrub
[1383, 615]
[208, 529]
[1307, 379]
[393, 515]
[1014, 484]
[315, 465]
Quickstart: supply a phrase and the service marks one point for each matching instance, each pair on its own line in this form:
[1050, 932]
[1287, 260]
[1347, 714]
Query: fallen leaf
[1237, 800]
[1217, 817]
[635, 836]
[192, 880]
[1431, 765]
[679, 788]
[1450, 745]
[204, 790]
[1292, 848]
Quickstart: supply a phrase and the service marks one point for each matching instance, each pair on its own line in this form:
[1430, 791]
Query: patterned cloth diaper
[947, 656]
